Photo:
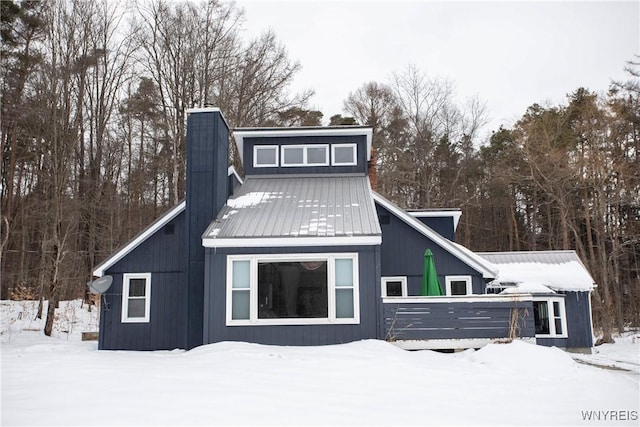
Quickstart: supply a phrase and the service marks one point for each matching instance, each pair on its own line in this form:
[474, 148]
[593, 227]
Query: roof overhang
[455, 214]
[271, 242]
[136, 241]
[239, 134]
[487, 269]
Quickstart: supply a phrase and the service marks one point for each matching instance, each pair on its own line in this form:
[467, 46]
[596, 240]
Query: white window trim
[449, 279]
[401, 279]
[304, 155]
[126, 278]
[257, 148]
[552, 315]
[333, 154]
[331, 318]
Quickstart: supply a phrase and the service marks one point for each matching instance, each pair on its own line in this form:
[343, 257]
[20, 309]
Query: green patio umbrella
[430, 282]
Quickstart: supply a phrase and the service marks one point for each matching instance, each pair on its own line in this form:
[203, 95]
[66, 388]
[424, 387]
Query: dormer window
[265, 156]
[343, 155]
[305, 155]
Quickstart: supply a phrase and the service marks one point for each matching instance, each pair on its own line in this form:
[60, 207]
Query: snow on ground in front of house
[61, 380]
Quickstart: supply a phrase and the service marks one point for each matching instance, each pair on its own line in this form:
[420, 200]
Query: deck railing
[472, 317]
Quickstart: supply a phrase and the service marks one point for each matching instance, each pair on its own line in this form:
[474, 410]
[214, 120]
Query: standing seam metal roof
[298, 206]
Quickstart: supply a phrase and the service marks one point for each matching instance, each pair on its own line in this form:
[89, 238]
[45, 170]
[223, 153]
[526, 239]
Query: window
[305, 155]
[136, 297]
[458, 285]
[550, 317]
[343, 155]
[394, 286]
[293, 289]
[265, 156]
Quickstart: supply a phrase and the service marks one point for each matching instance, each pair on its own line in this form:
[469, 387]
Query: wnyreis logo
[610, 415]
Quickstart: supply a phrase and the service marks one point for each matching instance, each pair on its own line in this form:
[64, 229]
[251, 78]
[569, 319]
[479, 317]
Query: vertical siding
[441, 225]
[162, 256]
[215, 328]
[402, 254]
[361, 142]
[580, 333]
[207, 181]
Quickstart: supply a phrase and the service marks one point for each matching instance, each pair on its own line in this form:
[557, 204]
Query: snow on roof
[528, 288]
[335, 208]
[556, 270]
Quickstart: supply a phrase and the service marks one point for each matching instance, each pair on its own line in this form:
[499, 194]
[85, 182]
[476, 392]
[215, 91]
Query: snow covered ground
[62, 380]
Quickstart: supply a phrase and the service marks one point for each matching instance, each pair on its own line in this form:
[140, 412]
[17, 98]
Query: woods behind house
[94, 96]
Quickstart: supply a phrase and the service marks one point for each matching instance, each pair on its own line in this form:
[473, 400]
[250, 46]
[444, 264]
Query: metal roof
[294, 210]
[543, 257]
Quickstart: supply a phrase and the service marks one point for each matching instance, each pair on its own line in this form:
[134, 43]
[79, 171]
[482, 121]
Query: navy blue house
[302, 251]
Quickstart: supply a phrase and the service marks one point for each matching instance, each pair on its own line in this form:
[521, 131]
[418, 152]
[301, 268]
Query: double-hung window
[292, 289]
[305, 155]
[550, 317]
[136, 297]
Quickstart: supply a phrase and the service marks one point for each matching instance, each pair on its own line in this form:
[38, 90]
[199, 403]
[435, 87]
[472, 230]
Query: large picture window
[292, 289]
[550, 317]
[136, 297]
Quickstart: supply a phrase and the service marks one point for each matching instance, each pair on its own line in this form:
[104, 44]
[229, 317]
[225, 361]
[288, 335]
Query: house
[300, 251]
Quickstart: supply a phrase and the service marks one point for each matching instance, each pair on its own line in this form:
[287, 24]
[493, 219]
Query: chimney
[207, 164]
[372, 166]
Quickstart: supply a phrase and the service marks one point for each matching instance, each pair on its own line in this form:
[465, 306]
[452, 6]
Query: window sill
[292, 322]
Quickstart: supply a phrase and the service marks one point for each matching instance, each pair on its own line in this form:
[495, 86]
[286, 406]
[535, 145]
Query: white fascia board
[239, 135]
[278, 242]
[483, 266]
[208, 110]
[458, 298]
[232, 171]
[136, 241]
[439, 214]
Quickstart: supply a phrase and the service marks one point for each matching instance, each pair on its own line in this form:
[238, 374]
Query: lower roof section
[297, 211]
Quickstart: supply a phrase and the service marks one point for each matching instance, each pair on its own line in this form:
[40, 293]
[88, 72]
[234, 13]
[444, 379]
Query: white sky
[510, 54]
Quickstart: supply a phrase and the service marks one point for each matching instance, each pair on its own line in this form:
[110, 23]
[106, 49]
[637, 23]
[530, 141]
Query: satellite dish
[100, 285]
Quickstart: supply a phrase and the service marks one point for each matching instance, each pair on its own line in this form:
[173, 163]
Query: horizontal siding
[456, 320]
[215, 329]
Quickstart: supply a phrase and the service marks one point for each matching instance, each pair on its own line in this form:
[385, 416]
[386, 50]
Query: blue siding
[207, 190]
[402, 254]
[215, 328]
[580, 334]
[162, 256]
[441, 225]
[361, 142]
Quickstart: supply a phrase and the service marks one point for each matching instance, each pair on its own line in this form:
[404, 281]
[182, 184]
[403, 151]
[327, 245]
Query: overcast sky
[510, 54]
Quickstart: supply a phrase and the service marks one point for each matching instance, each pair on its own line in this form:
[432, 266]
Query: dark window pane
[136, 308]
[541, 317]
[558, 322]
[394, 289]
[137, 287]
[296, 289]
[458, 287]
